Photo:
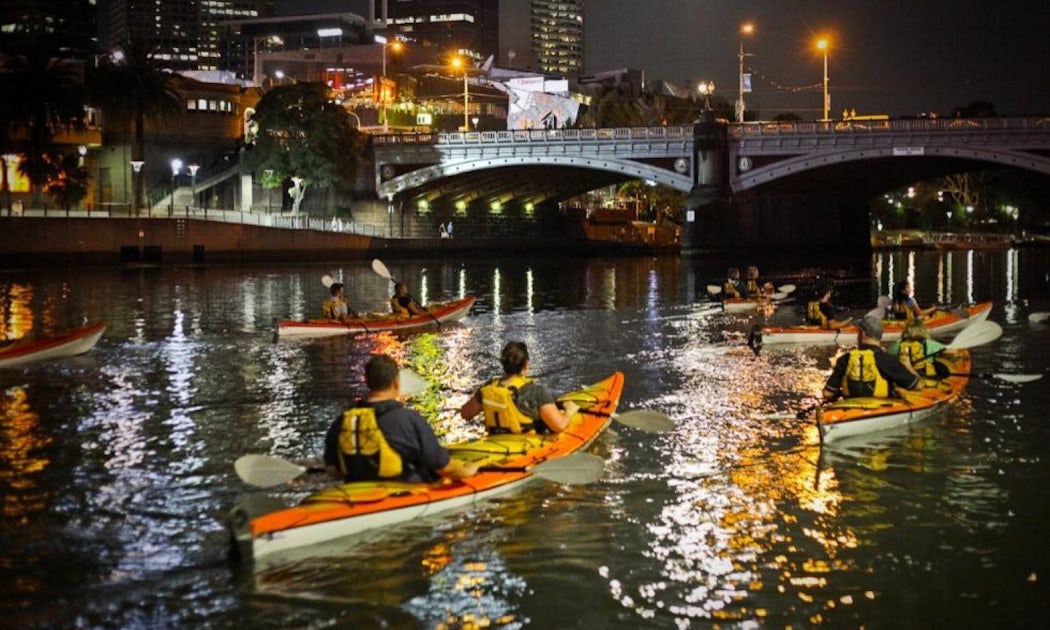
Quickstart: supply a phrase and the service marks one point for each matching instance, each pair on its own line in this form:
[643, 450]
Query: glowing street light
[396, 47]
[822, 45]
[176, 166]
[460, 62]
[136, 168]
[745, 29]
[706, 89]
[257, 69]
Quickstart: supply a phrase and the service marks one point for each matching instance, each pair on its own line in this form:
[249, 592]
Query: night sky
[898, 57]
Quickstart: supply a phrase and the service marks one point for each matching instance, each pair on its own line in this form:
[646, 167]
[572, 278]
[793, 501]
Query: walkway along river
[116, 466]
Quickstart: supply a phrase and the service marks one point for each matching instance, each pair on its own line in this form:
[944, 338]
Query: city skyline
[889, 57]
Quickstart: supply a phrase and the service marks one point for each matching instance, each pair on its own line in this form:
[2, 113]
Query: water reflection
[23, 457]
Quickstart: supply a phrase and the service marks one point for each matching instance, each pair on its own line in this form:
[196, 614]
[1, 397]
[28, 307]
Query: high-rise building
[467, 27]
[557, 36]
[181, 34]
[70, 24]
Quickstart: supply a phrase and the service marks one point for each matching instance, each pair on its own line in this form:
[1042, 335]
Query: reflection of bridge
[747, 162]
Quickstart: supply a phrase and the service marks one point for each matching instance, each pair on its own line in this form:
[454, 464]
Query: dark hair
[335, 287]
[898, 289]
[733, 272]
[380, 372]
[513, 357]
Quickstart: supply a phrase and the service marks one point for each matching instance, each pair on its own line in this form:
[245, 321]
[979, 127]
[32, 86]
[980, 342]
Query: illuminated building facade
[557, 36]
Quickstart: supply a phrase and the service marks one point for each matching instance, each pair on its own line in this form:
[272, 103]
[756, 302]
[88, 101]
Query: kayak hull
[747, 305]
[70, 344]
[851, 417]
[943, 322]
[351, 508]
[437, 314]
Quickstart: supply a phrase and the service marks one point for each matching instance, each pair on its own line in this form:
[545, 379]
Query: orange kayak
[351, 508]
[856, 416]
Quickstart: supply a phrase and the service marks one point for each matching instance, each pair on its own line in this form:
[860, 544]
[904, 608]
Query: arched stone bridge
[766, 175]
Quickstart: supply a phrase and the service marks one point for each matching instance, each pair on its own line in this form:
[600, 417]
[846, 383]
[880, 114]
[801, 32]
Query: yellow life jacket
[328, 308]
[731, 290]
[816, 316]
[900, 310]
[913, 353]
[862, 376]
[364, 453]
[501, 413]
[753, 288]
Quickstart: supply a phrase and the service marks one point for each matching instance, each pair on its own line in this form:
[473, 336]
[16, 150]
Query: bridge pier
[707, 207]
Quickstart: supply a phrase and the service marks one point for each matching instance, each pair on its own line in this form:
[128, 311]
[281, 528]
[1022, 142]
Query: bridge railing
[736, 130]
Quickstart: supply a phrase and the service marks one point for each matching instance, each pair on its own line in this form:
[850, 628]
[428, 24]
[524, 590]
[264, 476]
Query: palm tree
[131, 89]
[40, 95]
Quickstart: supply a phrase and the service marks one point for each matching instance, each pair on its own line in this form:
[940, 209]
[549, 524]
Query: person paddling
[904, 305]
[918, 351]
[381, 439]
[821, 312]
[401, 303]
[734, 287]
[868, 370]
[514, 403]
[335, 307]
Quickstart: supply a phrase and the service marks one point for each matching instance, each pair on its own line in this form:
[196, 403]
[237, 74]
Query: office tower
[469, 27]
[557, 36]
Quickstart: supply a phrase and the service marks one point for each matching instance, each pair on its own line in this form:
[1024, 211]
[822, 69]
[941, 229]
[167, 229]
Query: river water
[116, 466]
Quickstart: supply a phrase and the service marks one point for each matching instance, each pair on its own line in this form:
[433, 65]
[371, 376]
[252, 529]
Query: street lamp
[256, 68]
[136, 168]
[706, 89]
[176, 166]
[745, 29]
[460, 62]
[396, 46]
[193, 183]
[475, 120]
[822, 44]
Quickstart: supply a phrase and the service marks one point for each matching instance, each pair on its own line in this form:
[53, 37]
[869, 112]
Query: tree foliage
[300, 132]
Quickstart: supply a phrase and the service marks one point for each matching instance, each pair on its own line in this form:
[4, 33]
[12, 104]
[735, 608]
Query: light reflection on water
[116, 466]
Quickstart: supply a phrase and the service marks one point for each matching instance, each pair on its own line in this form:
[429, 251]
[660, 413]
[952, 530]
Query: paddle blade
[265, 471]
[1038, 318]
[412, 383]
[714, 289]
[380, 268]
[787, 288]
[327, 281]
[779, 295]
[645, 420]
[976, 334]
[578, 468]
[1017, 378]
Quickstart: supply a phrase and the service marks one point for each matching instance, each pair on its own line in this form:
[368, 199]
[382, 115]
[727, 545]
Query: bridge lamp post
[256, 68]
[706, 89]
[395, 46]
[176, 166]
[822, 45]
[745, 29]
[461, 63]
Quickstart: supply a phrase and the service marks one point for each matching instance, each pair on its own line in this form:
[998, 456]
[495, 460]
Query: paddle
[641, 419]
[267, 471]
[380, 268]
[714, 289]
[411, 383]
[1009, 378]
[976, 334]
[1038, 318]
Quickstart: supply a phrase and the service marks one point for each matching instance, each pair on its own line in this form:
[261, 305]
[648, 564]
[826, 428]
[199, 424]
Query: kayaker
[868, 370]
[755, 287]
[917, 350]
[904, 305]
[821, 312]
[734, 287]
[401, 303]
[336, 307]
[380, 438]
[514, 403]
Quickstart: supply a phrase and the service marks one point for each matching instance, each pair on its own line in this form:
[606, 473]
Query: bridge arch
[629, 169]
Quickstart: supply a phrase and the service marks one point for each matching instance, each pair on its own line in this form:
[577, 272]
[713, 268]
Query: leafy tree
[301, 133]
[40, 95]
[131, 89]
[67, 179]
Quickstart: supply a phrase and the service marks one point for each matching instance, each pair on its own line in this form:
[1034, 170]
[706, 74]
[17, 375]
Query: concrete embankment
[40, 242]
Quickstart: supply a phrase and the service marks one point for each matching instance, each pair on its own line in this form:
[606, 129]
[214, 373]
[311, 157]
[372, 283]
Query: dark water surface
[116, 466]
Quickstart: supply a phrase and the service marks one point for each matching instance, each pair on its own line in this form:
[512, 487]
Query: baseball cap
[870, 326]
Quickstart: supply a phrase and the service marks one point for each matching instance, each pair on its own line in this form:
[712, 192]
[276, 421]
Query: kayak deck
[350, 508]
[855, 416]
[436, 314]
